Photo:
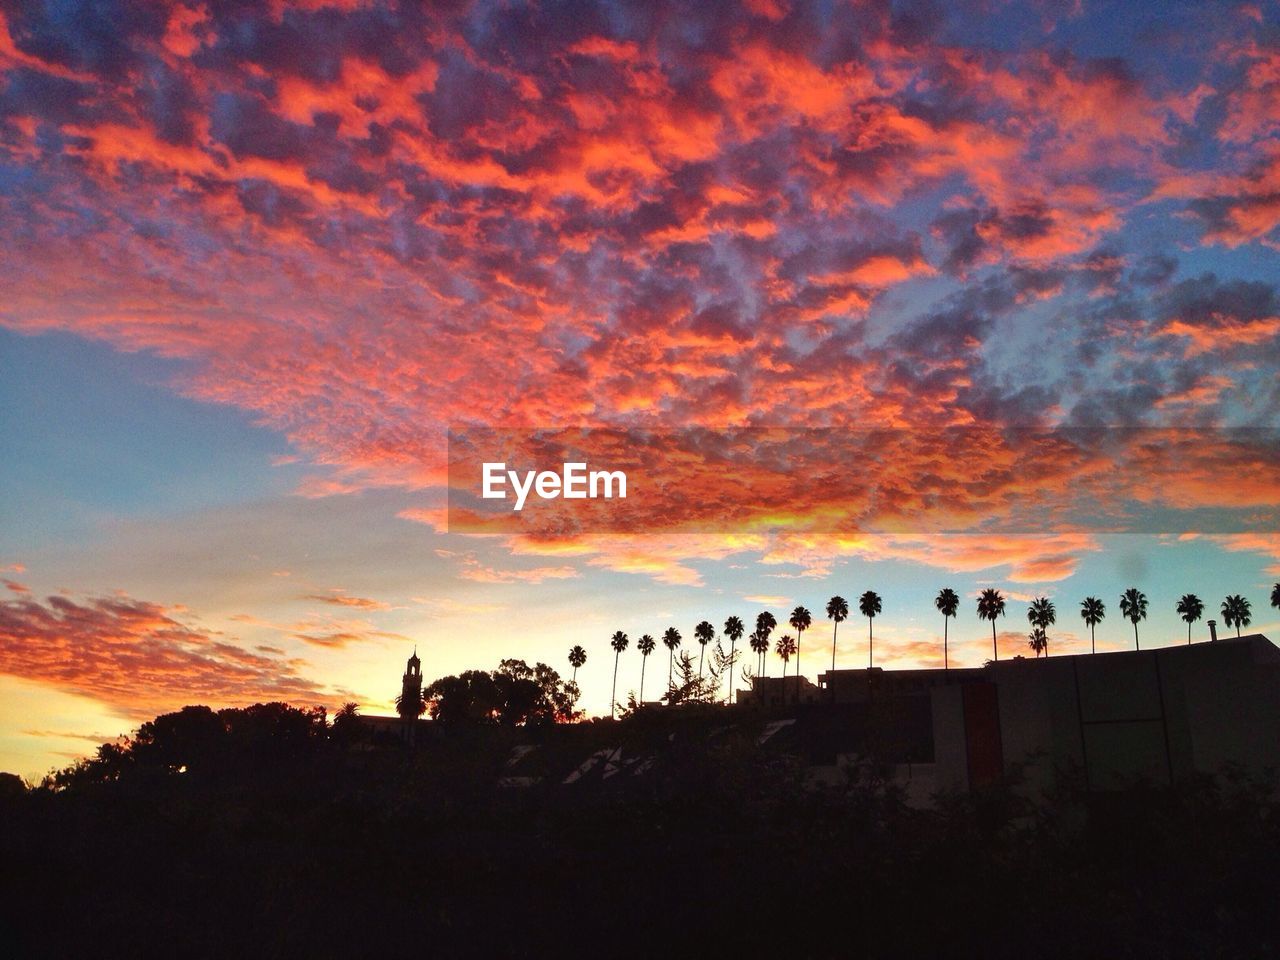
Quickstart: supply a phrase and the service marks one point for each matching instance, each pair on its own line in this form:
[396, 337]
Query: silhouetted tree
[515, 694]
[1190, 608]
[837, 613]
[948, 603]
[577, 658]
[646, 645]
[1133, 604]
[990, 606]
[619, 643]
[704, 633]
[1236, 612]
[800, 619]
[1275, 596]
[347, 728]
[760, 644]
[1038, 641]
[733, 629]
[1041, 615]
[1092, 611]
[765, 624]
[786, 648]
[869, 606]
[671, 640]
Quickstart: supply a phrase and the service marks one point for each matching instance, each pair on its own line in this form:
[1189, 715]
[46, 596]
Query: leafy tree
[704, 633]
[1092, 611]
[1190, 608]
[671, 640]
[1236, 612]
[1041, 615]
[733, 629]
[646, 645]
[948, 603]
[515, 694]
[577, 658]
[619, 643]
[869, 607]
[1133, 605]
[990, 606]
[690, 686]
[837, 613]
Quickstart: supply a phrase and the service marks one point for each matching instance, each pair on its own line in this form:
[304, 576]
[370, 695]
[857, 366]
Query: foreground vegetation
[270, 832]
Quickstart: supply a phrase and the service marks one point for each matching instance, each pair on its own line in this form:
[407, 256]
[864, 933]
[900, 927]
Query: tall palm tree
[577, 657]
[671, 640]
[619, 643]
[1133, 604]
[947, 602]
[1190, 608]
[704, 633]
[800, 619]
[646, 645]
[869, 605]
[733, 629]
[760, 644]
[837, 613]
[1236, 611]
[1092, 610]
[990, 606]
[1041, 615]
[786, 648]
[765, 623]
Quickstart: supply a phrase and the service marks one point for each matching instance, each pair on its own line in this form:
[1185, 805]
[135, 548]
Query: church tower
[410, 695]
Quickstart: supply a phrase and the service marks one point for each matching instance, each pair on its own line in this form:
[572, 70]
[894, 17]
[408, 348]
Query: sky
[260, 261]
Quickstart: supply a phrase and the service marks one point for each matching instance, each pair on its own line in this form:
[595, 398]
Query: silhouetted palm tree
[765, 624]
[1038, 641]
[733, 629]
[704, 633]
[577, 657]
[837, 613]
[1236, 611]
[1041, 615]
[1133, 604]
[671, 640]
[619, 643]
[1275, 596]
[1092, 610]
[646, 645]
[760, 645]
[800, 619]
[947, 602]
[786, 648]
[1190, 608]
[869, 605]
[990, 606]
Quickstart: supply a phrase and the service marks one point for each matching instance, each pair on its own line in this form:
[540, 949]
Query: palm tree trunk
[1093, 638]
[799, 634]
[732, 644]
[1136, 645]
[835, 626]
[613, 696]
[871, 646]
[995, 653]
[575, 676]
[1188, 633]
[671, 666]
[946, 663]
[701, 650]
[644, 662]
